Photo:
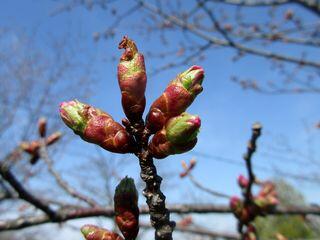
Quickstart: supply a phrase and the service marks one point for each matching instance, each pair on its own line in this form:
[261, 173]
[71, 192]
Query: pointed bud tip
[72, 113]
[126, 185]
[130, 48]
[196, 121]
[87, 229]
[192, 78]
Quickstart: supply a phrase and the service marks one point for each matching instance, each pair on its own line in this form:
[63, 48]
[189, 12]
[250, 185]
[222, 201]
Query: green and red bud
[132, 80]
[126, 208]
[91, 232]
[267, 197]
[96, 126]
[177, 97]
[178, 136]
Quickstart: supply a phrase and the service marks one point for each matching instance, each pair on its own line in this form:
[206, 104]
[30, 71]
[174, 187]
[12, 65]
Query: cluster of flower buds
[175, 131]
[126, 208]
[259, 205]
[266, 199]
[245, 213]
[187, 168]
[96, 126]
[126, 215]
[33, 147]
[176, 98]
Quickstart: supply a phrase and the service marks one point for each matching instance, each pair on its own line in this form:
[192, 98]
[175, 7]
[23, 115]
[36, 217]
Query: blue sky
[227, 111]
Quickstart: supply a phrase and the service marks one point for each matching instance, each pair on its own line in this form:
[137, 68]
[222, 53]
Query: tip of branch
[256, 126]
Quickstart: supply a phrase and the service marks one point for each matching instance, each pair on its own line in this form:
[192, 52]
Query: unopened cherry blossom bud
[126, 208]
[42, 127]
[178, 136]
[236, 205]
[132, 80]
[96, 126]
[243, 181]
[54, 137]
[91, 232]
[177, 97]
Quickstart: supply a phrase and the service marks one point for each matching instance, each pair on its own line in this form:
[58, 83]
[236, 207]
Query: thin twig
[206, 189]
[251, 148]
[63, 184]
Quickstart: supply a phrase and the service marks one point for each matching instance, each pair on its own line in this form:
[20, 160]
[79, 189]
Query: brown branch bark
[71, 214]
[23, 193]
[200, 231]
[159, 214]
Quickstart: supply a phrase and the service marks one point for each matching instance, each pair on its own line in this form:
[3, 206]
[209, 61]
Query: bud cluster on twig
[33, 147]
[174, 130]
[251, 206]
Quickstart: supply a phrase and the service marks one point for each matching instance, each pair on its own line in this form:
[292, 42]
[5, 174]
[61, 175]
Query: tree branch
[70, 214]
[217, 41]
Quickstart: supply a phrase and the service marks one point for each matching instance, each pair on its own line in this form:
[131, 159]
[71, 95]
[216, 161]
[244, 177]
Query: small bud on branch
[178, 136]
[126, 208]
[42, 127]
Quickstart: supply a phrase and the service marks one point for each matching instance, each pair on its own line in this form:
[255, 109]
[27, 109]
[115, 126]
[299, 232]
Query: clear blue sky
[227, 111]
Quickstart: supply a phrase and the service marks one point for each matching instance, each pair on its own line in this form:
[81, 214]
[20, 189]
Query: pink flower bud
[132, 80]
[243, 181]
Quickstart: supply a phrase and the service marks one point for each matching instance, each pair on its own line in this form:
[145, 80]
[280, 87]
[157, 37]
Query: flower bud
[42, 127]
[243, 181]
[178, 136]
[236, 205]
[54, 137]
[91, 232]
[96, 126]
[132, 80]
[177, 97]
[126, 208]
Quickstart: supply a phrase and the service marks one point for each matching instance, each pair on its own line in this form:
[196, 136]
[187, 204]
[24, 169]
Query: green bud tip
[125, 186]
[183, 128]
[72, 114]
[88, 229]
[192, 79]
